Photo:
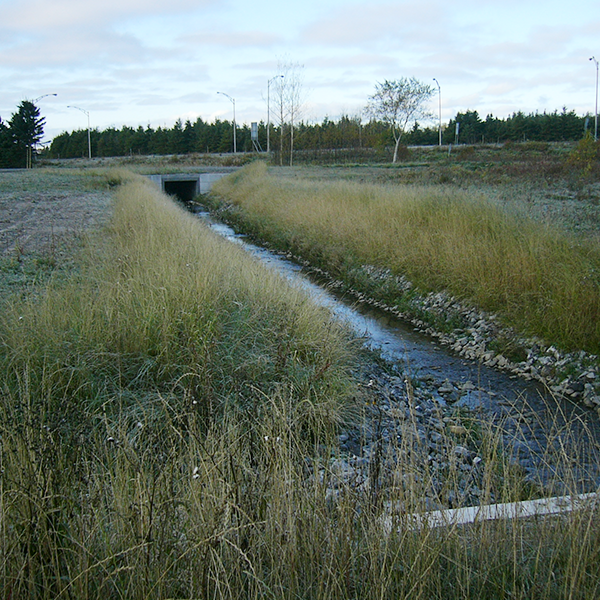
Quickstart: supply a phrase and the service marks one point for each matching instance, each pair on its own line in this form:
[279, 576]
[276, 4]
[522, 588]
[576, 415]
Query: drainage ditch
[431, 390]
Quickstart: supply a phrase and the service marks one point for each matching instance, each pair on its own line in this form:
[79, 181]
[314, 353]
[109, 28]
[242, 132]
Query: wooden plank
[510, 510]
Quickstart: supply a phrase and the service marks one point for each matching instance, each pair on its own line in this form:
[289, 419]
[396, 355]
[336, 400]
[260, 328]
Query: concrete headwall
[186, 185]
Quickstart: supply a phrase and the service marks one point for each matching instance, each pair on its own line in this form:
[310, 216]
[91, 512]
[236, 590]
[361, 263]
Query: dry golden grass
[543, 281]
[165, 421]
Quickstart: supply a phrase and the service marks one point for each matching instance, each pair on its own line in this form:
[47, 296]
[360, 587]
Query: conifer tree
[27, 129]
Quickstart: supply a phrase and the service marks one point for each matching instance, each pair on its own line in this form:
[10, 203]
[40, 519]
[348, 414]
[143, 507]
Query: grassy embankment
[157, 412]
[540, 280]
[156, 372]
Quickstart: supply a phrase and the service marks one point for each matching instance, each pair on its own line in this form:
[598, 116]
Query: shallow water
[538, 426]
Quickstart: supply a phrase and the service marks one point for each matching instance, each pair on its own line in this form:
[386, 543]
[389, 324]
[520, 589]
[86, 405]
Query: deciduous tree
[399, 102]
[288, 102]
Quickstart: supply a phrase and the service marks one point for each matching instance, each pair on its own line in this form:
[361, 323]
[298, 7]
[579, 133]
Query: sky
[151, 62]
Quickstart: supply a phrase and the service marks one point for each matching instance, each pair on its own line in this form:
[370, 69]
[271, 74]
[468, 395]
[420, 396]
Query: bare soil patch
[44, 215]
[39, 222]
[39, 215]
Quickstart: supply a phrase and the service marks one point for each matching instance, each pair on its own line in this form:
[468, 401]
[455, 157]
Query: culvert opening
[184, 190]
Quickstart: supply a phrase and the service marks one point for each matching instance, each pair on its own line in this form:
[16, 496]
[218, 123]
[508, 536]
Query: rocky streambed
[573, 375]
[444, 406]
[449, 402]
[446, 434]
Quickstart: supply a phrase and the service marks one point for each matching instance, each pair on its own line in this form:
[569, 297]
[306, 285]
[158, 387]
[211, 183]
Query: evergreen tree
[27, 129]
[7, 150]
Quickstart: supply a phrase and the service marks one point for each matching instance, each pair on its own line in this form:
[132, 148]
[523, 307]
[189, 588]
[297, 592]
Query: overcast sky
[149, 62]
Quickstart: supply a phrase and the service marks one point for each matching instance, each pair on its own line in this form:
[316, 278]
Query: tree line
[347, 132]
[393, 115]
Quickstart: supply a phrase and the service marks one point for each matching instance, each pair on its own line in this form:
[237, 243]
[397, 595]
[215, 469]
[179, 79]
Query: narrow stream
[535, 421]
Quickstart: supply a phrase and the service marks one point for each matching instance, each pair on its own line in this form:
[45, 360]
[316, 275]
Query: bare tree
[397, 103]
[289, 100]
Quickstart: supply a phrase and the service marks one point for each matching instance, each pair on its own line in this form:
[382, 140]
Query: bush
[585, 156]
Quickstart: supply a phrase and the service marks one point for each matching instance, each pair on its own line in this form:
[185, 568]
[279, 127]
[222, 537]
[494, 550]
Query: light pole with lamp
[43, 96]
[439, 110]
[87, 112]
[29, 149]
[269, 109]
[233, 102]
[596, 111]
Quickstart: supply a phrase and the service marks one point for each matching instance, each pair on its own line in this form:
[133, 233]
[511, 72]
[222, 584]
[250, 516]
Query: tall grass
[165, 301]
[165, 422]
[539, 279]
[164, 332]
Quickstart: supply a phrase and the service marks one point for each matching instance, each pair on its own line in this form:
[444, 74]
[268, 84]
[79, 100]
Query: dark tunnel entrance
[184, 190]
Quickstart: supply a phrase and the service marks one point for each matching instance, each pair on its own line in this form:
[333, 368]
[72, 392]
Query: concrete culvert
[184, 190]
[185, 187]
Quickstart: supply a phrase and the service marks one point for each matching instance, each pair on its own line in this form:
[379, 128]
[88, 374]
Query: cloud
[231, 39]
[42, 15]
[149, 59]
[55, 34]
[84, 48]
[351, 61]
[385, 23]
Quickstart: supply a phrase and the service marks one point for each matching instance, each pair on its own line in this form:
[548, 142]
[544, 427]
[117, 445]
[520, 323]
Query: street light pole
[43, 96]
[269, 109]
[439, 109]
[596, 111]
[233, 102]
[29, 149]
[89, 136]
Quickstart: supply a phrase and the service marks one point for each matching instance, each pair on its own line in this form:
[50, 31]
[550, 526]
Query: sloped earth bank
[423, 403]
[436, 410]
